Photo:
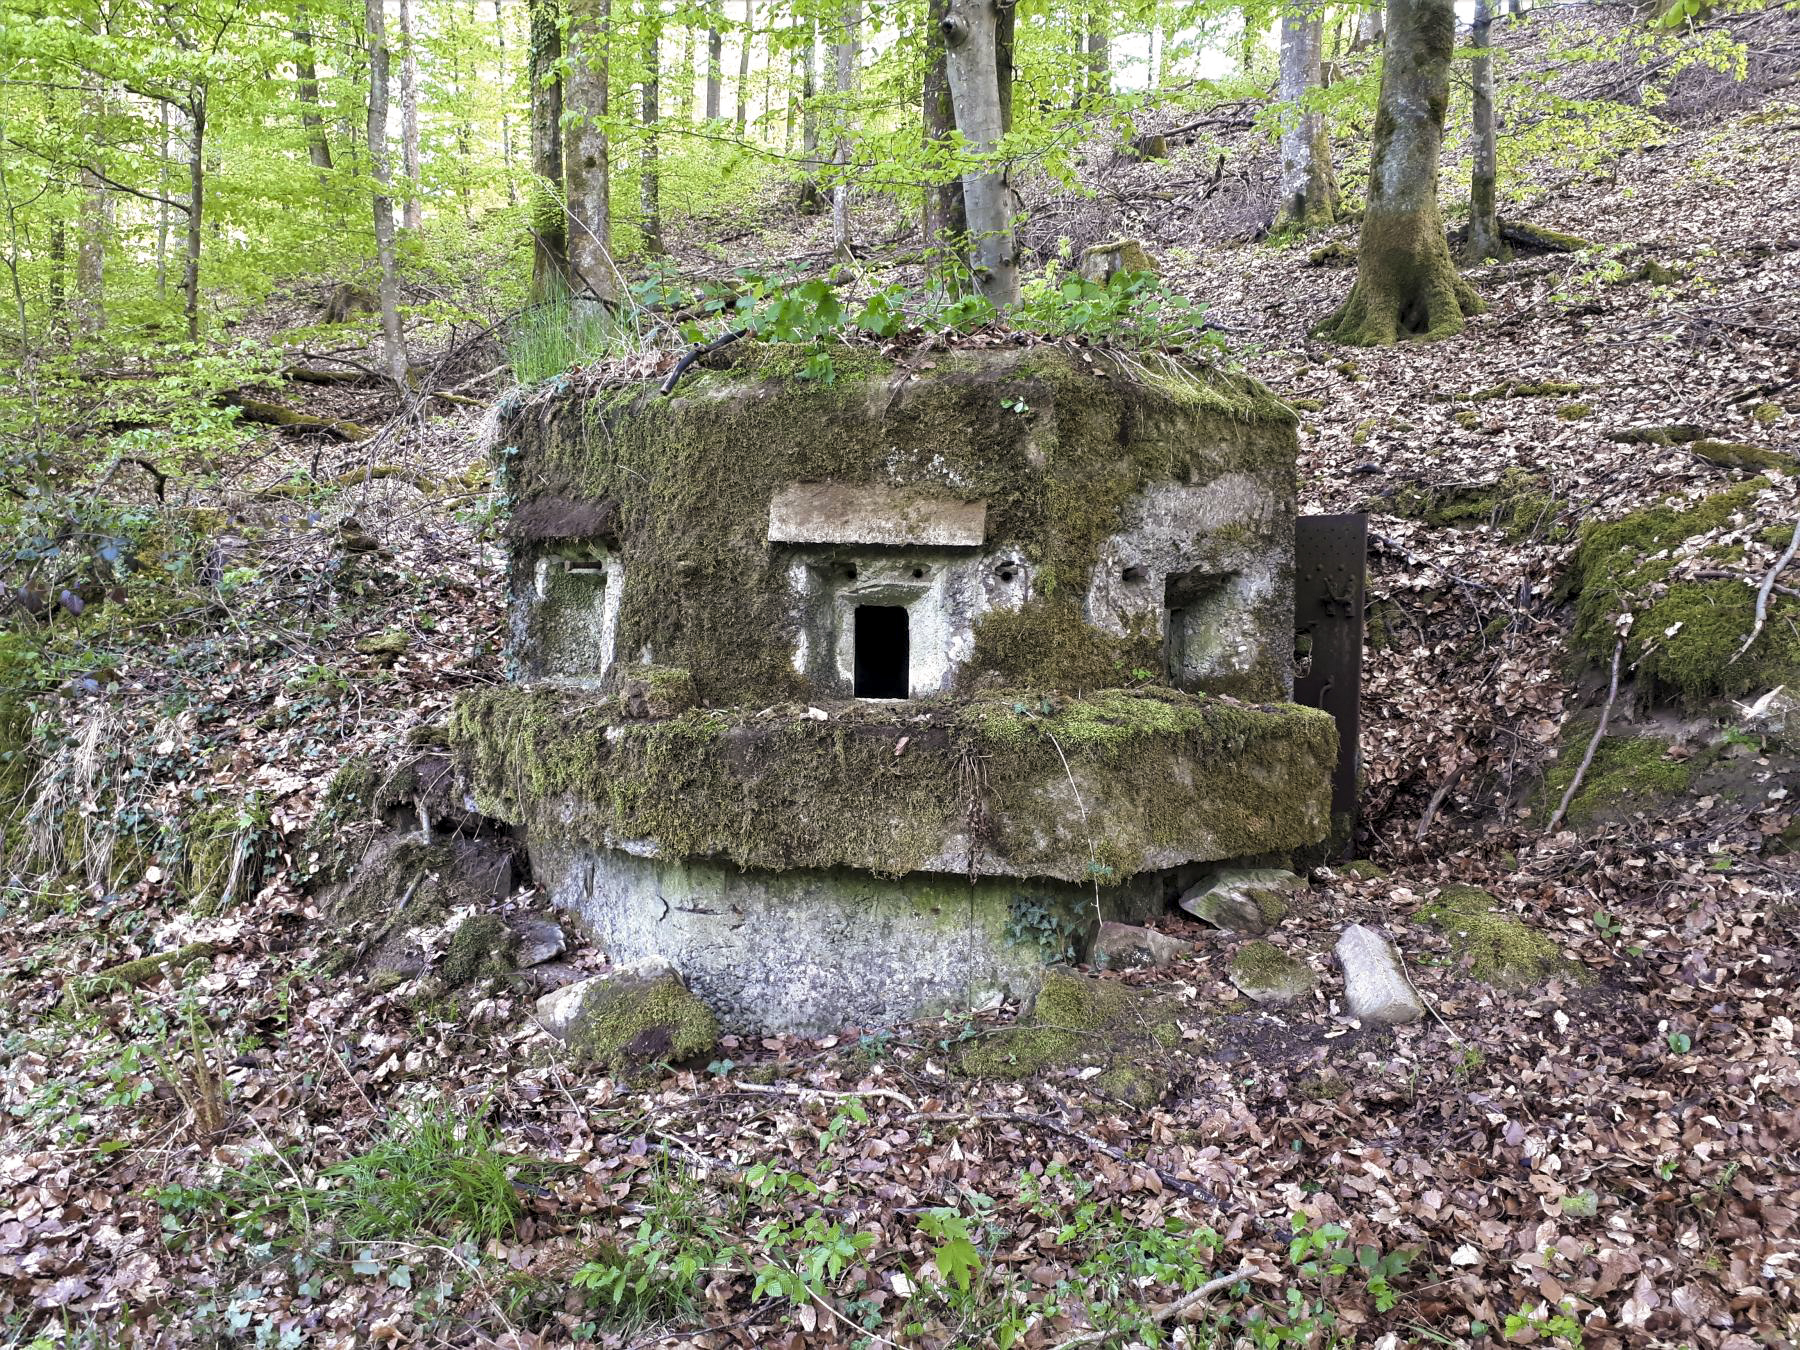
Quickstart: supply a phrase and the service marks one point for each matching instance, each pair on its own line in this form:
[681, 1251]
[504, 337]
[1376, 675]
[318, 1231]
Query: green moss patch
[1526, 389]
[1078, 1021]
[1685, 634]
[1751, 458]
[482, 946]
[1363, 870]
[628, 1024]
[1499, 947]
[1515, 502]
[1628, 773]
[1181, 775]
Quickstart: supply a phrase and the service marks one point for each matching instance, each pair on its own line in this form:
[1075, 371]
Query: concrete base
[809, 952]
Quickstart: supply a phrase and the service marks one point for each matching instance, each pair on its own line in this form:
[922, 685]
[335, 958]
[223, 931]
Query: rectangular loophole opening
[882, 653]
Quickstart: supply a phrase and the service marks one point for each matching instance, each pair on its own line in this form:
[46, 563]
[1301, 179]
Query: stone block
[1376, 990]
[1263, 973]
[629, 1018]
[1243, 900]
[1123, 946]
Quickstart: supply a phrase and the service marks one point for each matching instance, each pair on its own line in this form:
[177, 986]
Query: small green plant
[1680, 1042]
[1553, 1324]
[658, 1271]
[1015, 405]
[1055, 936]
[1607, 925]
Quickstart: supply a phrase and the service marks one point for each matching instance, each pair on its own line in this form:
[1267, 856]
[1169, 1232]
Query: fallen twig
[1762, 593]
[705, 349]
[1581, 769]
[1169, 1311]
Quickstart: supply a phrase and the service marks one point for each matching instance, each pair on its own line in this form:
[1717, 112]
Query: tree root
[132, 974]
[368, 474]
[1527, 235]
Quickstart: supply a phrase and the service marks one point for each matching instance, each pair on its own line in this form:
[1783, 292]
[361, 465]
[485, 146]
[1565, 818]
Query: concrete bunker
[951, 683]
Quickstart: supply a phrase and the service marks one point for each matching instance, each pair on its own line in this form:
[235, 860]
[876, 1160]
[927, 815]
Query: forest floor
[254, 1151]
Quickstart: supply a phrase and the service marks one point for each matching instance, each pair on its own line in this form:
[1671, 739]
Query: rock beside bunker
[1376, 989]
[628, 1019]
[1124, 946]
[1263, 973]
[1249, 900]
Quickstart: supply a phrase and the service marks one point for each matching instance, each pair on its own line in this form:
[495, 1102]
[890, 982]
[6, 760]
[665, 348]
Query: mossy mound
[1628, 774]
[1751, 458]
[629, 1021]
[1184, 778]
[1516, 503]
[1685, 633]
[1264, 973]
[1499, 947]
[1363, 870]
[1078, 1021]
[1525, 389]
[482, 947]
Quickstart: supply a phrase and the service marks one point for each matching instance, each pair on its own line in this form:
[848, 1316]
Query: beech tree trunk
[1406, 285]
[715, 59]
[649, 175]
[585, 167]
[411, 208]
[809, 123]
[393, 339]
[1371, 28]
[974, 42]
[1098, 54]
[318, 149]
[549, 230]
[844, 52]
[162, 205]
[945, 221]
[690, 76]
[1309, 195]
[196, 214]
[506, 135]
[92, 222]
[743, 78]
[1484, 178]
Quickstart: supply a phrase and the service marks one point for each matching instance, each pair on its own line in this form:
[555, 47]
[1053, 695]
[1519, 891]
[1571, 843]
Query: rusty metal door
[1330, 558]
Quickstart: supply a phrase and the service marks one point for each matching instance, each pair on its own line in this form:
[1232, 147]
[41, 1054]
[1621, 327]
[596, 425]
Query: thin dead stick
[1437, 799]
[783, 1090]
[1762, 592]
[1581, 769]
[1169, 1311]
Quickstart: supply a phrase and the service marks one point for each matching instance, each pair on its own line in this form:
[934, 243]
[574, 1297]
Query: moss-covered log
[1406, 284]
[275, 415]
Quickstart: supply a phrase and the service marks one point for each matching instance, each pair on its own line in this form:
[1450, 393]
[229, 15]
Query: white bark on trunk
[1484, 177]
[844, 52]
[971, 31]
[409, 119]
[586, 167]
[1308, 188]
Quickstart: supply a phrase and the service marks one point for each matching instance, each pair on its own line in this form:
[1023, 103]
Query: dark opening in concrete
[882, 652]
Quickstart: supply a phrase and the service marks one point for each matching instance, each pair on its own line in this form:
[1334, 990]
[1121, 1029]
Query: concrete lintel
[851, 513]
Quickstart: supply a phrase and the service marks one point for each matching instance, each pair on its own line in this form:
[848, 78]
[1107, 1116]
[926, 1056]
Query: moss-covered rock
[1078, 1021]
[1263, 973]
[481, 947]
[1685, 632]
[1362, 870]
[629, 1020]
[1183, 777]
[1628, 774]
[1751, 458]
[140, 971]
[1574, 412]
[1526, 389]
[342, 824]
[1499, 947]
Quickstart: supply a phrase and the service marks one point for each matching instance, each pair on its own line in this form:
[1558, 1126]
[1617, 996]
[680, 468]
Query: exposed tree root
[275, 415]
[368, 474]
[1527, 235]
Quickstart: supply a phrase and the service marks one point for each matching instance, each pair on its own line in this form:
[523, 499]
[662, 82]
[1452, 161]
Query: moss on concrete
[1624, 566]
[1500, 948]
[689, 479]
[1628, 773]
[1182, 777]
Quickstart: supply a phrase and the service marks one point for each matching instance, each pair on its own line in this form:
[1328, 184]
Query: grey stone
[539, 939]
[1376, 990]
[857, 513]
[629, 1019]
[1123, 946]
[1243, 900]
[1264, 973]
[1099, 261]
[558, 1010]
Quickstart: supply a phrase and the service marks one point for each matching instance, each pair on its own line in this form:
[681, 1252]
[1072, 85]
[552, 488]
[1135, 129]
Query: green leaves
[955, 1254]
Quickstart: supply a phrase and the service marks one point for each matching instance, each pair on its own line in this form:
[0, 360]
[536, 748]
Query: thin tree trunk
[945, 222]
[809, 123]
[649, 176]
[586, 166]
[1250, 40]
[318, 148]
[844, 53]
[196, 214]
[974, 40]
[1484, 221]
[549, 229]
[690, 75]
[59, 264]
[1099, 53]
[743, 78]
[1308, 187]
[793, 102]
[506, 140]
[1156, 48]
[1371, 28]
[409, 120]
[1406, 285]
[91, 224]
[383, 204]
[715, 58]
[162, 206]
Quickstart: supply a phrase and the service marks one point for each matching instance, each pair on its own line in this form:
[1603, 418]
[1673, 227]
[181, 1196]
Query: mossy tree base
[1406, 287]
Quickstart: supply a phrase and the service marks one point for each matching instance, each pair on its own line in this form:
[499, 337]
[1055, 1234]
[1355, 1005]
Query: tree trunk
[318, 148]
[1484, 221]
[585, 167]
[793, 103]
[743, 80]
[196, 214]
[1371, 27]
[715, 63]
[973, 40]
[1406, 285]
[411, 216]
[162, 206]
[549, 231]
[945, 222]
[1308, 187]
[506, 135]
[92, 220]
[1250, 39]
[1098, 56]
[809, 123]
[844, 52]
[649, 176]
[690, 76]
[394, 340]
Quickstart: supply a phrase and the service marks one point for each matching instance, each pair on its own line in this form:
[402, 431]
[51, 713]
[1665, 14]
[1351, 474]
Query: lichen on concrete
[1499, 947]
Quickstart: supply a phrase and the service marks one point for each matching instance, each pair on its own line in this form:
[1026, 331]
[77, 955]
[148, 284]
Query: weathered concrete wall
[806, 952]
